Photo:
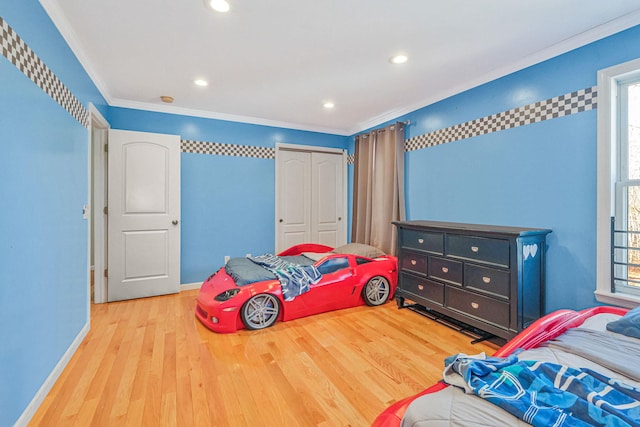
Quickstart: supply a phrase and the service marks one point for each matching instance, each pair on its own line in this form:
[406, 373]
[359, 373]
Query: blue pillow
[628, 325]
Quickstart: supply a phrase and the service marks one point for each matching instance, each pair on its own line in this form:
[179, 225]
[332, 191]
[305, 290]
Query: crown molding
[56, 15]
[594, 34]
[60, 21]
[124, 103]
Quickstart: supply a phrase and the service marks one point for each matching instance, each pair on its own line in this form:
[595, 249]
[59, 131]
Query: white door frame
[97, 234]
[310, 149]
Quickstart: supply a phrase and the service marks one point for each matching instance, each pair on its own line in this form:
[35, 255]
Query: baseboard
[39, 397]
[190, 286]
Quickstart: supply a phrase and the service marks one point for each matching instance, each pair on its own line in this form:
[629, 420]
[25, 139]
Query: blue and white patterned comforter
[547, 394]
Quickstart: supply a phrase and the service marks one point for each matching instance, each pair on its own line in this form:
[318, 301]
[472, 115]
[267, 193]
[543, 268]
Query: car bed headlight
[227, 295]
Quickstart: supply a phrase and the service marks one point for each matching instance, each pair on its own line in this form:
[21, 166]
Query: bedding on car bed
[244, 271]
[295, 273]
[295, 279]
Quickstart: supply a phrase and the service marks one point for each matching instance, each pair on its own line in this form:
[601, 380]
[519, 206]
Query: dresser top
[519, 231]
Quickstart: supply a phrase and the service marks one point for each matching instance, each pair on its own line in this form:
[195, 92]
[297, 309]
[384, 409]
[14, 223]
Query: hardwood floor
[150, 362]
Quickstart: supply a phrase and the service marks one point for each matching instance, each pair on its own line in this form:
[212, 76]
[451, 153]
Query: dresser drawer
[445, 269]
[487, 280]
[494, 251]
[423, 288]
[413, 262]
[480, 307]
[422, 241]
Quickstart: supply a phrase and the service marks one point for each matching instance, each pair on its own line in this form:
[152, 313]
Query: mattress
[452, 407]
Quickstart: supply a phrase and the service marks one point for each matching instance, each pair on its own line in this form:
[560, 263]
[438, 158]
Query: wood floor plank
[150, 362]
[120, 407]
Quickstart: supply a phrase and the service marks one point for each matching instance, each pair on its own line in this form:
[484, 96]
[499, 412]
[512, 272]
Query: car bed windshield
[332, 265]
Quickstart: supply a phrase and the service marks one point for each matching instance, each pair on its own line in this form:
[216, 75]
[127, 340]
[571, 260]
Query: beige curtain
[378, 187]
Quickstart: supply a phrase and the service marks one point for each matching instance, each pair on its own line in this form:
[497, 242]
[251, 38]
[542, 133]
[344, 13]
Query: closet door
[327, 191]
[310, 197]
[293, 198]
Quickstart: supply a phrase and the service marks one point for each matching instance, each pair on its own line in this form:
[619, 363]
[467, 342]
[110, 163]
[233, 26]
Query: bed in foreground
[539, 376]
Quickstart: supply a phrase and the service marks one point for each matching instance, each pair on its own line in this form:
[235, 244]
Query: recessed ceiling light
[218, 5]
[201, 82]
[328, 105]
[398, 59]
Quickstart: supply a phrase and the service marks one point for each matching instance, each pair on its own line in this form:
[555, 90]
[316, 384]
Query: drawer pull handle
[474, 249]
[421, 287]
[486, 279]
[414, 262]
[421, 241]
[445, 270]
[475, 305]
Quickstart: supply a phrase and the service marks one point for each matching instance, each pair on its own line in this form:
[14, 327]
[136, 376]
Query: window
[618, 265]
[332, 265]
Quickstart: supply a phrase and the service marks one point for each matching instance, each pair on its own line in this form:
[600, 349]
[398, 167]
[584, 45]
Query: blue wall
[43, 243]
[538, 175]
[227, 202]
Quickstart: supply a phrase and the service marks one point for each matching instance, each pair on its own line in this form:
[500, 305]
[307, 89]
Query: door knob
[174, 222]
[281, 220]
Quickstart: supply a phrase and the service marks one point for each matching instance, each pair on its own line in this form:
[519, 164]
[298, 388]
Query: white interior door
[143, 214]
[310, 196]
[293, 181]
[327, 192]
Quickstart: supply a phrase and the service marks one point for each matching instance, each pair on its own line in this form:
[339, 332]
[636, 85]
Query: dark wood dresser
[491, 278]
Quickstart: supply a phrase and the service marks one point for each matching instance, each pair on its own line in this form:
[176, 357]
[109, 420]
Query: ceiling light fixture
[201, 82]
[398, 59]
[328, 105]
[218, 5]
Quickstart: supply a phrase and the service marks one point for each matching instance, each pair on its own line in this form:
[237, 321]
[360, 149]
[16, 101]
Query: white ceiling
[275, 62]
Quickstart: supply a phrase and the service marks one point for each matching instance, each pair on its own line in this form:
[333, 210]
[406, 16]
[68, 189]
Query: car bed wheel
[376, 291]
[261, 311]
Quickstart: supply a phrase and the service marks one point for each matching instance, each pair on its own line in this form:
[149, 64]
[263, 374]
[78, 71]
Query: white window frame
[607, 164]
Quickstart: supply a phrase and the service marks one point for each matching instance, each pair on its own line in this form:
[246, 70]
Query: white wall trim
[606, 164]
[628, 301]
[148, 106]
[39, 397]
[190, 286]
[57, 16]
[98, 121]
[66, 30]
[96, 115]
[309, 148]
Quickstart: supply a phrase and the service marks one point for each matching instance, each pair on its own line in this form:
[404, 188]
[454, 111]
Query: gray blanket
[244, 271]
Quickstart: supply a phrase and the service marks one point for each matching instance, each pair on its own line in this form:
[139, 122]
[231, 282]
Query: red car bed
[256, 292]
[600, 341]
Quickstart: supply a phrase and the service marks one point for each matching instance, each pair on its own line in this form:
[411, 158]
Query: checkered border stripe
[19, 54]
[563, 105]
[217, 148]
[351, 159]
